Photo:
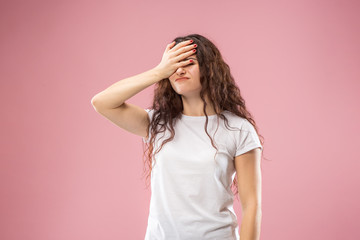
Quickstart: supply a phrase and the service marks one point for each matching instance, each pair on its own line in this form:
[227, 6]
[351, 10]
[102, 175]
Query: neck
[193, 106]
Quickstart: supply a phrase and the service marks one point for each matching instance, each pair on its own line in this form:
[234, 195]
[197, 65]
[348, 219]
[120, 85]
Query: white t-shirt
[191, 198]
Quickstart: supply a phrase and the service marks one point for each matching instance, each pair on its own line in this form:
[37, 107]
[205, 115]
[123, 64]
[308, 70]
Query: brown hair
[217, 83]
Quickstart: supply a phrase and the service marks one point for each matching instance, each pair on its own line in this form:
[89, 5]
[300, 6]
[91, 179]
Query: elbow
[252, 204]
[95, 103]
[252, 207]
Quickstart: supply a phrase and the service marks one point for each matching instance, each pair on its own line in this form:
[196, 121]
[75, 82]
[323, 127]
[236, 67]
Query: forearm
[251, 224]
[119, 92]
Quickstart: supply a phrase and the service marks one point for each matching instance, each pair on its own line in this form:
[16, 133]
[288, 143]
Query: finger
[181, 44]
[184, 55]
[184, 63]
[185, 49]
[188, 61]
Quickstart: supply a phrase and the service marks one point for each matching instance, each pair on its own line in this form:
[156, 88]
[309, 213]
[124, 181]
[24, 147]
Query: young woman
[205, 140]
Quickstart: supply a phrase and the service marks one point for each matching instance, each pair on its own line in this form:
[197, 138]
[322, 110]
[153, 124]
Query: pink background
[67, 173]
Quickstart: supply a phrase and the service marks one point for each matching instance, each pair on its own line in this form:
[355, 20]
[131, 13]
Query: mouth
[179, 79]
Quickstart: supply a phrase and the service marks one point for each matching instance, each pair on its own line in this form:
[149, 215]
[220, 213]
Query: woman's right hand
[173, 57]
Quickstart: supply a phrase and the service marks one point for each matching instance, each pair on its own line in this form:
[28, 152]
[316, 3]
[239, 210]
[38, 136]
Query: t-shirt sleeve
[150, 113]
[246, 139]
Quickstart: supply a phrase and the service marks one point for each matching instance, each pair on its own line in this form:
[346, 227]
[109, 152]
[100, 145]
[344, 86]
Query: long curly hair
[217, 84]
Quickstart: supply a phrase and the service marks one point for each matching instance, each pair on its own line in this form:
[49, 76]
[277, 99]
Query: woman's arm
[249, 186]
[119, 92]
[111, 104]
[115, 95]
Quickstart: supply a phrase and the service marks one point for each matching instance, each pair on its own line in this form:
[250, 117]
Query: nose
[180, 70]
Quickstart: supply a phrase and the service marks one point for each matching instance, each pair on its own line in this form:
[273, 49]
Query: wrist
[158, 73]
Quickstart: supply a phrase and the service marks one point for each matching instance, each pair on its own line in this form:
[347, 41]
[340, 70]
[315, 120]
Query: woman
[197, 156]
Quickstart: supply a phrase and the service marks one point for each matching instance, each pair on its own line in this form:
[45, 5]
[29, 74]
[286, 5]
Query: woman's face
[191, 85]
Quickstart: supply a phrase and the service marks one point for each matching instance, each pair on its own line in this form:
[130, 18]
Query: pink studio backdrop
[67, 173]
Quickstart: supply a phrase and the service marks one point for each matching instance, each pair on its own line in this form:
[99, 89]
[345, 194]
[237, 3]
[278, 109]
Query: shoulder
[234, 120]
[238, 124]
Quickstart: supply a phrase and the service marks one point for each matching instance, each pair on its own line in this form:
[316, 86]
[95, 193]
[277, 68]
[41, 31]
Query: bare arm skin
[119, 92]
[249, 186]
[111, 104]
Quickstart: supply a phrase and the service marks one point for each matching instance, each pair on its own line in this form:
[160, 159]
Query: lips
[183, 78]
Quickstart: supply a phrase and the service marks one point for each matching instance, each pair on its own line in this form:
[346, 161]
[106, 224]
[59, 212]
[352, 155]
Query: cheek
[196, 69]
[195, 72]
